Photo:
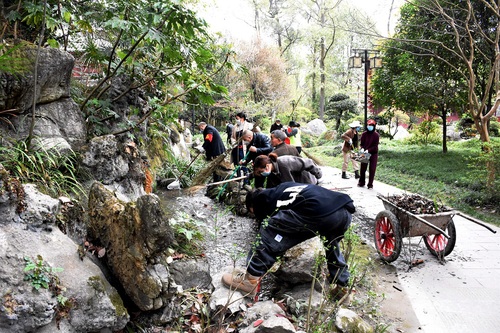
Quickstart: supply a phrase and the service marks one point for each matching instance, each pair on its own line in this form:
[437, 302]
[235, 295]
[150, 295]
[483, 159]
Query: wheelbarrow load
[411, 215]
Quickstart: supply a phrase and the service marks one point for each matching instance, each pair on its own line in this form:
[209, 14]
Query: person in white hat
[351, 142]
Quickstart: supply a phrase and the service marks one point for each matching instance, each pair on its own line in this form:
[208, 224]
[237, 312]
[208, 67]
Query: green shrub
[174, 167]
[485, 169]
[494, 127]
[427, 132]
[53, 172]
[327, 138]
[307, 140]
[188, 234]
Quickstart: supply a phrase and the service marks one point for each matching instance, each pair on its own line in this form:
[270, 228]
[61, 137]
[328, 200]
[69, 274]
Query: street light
[371, 59]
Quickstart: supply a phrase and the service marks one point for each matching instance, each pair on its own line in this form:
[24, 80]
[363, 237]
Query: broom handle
[194, 159]
[226, 181]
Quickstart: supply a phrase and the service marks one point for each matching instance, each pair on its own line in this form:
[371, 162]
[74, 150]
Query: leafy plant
[39, 274]
[189, 234]
[177, 166]
[427, 132]
[55, 173]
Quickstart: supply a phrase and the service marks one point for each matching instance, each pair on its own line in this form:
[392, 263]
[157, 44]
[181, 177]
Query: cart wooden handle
[470, 218]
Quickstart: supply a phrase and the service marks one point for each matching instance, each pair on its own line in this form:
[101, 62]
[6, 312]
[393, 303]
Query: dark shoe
[344, 175]
[248, 284]
[361, 185]
[370, 187]
[356, 174]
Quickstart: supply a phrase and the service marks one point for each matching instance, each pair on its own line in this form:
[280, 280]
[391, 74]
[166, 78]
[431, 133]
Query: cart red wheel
[439, 245]
[387, 236]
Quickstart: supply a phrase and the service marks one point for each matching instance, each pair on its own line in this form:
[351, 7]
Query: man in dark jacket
[295, 212]
[277, 125]
[213, 145]
[257, 144]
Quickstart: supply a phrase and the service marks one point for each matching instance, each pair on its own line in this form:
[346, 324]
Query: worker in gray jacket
[280, 146]
[286, 168]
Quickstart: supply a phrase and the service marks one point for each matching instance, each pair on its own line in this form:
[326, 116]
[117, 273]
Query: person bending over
[287, 168]
[295, 212]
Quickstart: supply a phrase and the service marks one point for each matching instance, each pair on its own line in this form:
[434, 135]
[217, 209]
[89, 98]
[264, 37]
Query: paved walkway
[460, 295]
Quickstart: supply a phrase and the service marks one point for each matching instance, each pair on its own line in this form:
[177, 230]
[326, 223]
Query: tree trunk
[443, 117]
[322, 80]
[313, 76]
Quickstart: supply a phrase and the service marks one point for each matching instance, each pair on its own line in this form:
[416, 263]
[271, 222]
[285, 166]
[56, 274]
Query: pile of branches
[416, 204]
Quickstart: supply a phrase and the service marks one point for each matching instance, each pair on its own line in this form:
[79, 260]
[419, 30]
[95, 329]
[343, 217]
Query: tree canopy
[444, 56]
[161, 47]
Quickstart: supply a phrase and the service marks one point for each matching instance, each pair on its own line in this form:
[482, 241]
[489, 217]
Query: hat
[355, 123]
[292, 123]
[278, 121]
[371, 122]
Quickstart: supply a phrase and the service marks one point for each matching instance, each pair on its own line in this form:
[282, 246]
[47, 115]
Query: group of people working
[287, 196]
[271, 158]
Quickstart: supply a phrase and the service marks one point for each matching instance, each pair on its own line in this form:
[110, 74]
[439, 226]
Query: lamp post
[370, 59]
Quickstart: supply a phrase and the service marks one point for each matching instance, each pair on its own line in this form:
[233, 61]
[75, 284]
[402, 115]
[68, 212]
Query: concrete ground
[461, 294]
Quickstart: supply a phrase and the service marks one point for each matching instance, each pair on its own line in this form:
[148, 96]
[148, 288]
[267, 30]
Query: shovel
[176, 184]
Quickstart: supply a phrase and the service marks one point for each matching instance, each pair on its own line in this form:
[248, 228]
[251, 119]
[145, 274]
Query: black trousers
[286, 229]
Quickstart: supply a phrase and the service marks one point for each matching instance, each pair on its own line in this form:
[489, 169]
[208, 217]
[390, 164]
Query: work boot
[356, 174]
[248, 284]
[341, 294]
[344, 175]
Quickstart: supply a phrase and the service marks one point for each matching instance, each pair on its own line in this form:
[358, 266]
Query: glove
[350, 142]
[200, 149]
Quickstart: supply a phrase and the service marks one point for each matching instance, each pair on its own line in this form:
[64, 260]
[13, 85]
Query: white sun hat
[355, 123]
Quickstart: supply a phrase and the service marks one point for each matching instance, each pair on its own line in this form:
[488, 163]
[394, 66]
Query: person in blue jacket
[295, 212]
[257, 144]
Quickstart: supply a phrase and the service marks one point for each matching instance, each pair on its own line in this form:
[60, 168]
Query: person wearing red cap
[369, 142]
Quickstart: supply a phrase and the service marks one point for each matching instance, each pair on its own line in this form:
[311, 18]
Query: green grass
[452, 178]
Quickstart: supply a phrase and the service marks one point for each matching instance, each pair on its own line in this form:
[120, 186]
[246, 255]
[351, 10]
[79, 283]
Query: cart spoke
[437, 242]
[385, 237]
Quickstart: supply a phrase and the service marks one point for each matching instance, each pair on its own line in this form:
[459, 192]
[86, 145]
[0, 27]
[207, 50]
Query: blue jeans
[286, 229]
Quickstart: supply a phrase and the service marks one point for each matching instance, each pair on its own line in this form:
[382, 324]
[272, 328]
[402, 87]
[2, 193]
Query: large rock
[136, 238]
[118, 165]
[349, 321]
[298, 263]
[53, 79]
[59, 122]
[315, 127]
[92, 303]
